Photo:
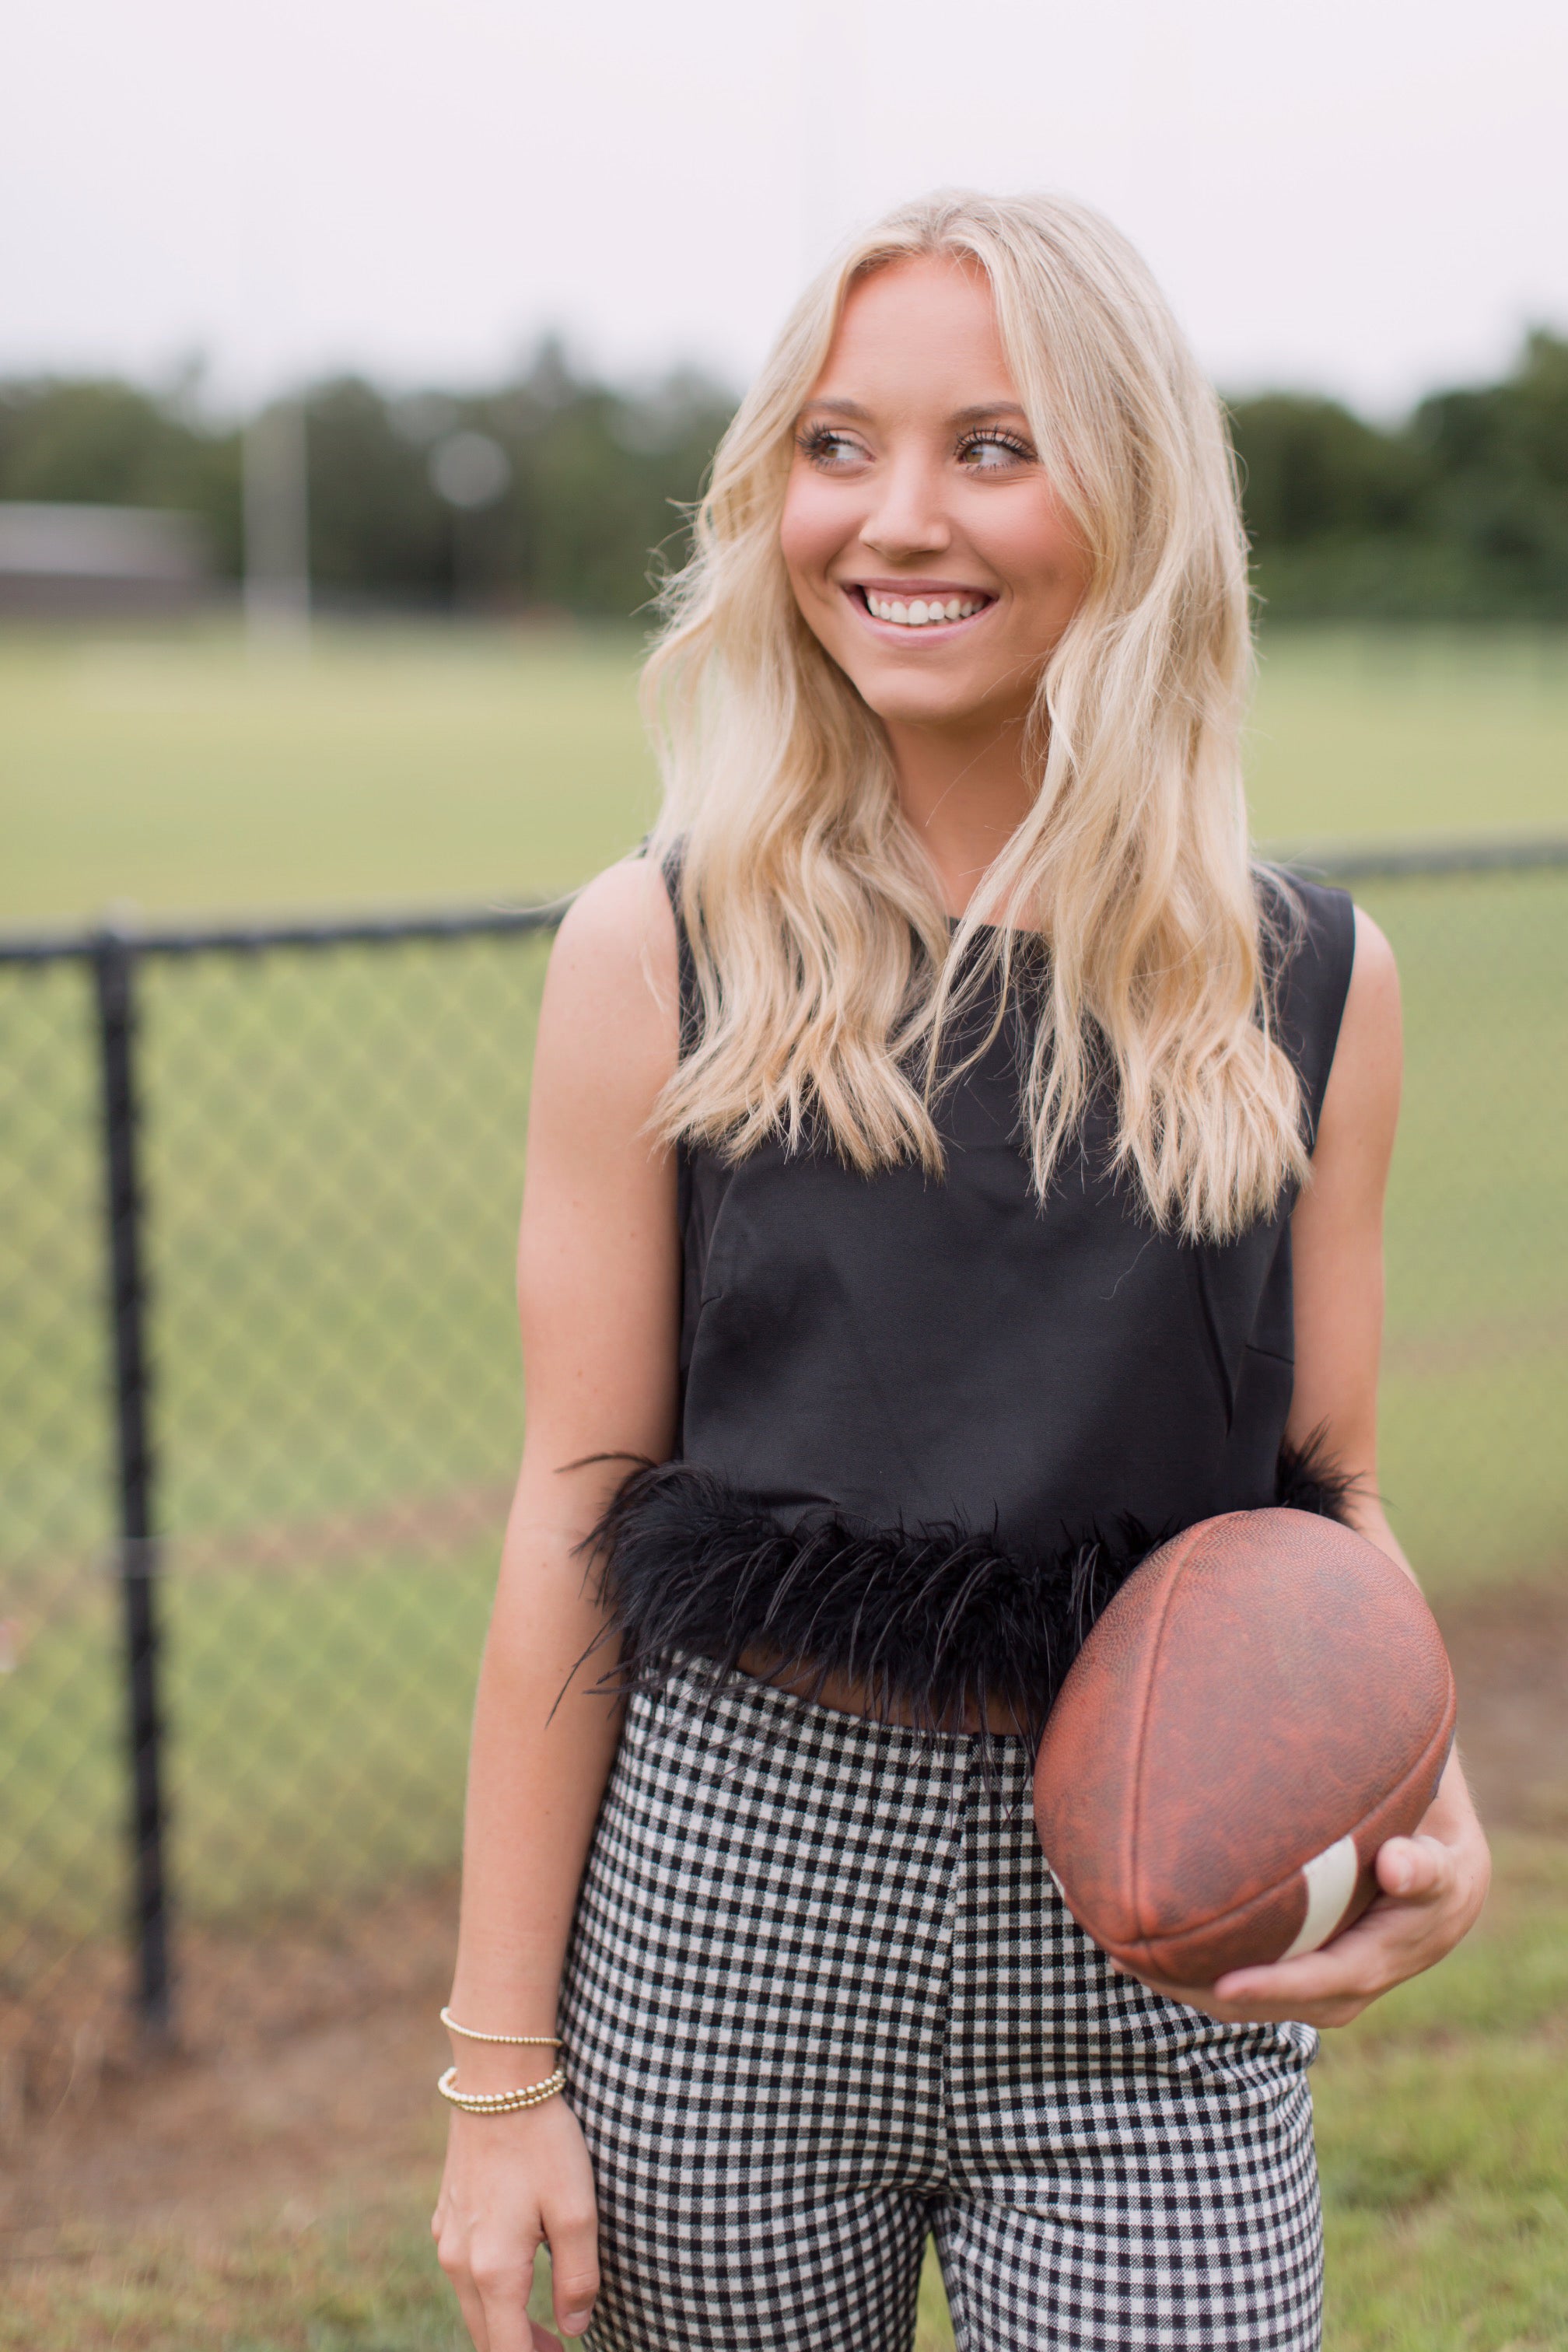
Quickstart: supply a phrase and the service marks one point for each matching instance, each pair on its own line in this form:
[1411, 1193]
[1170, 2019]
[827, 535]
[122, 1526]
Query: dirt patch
[251, 2136]
[263, 2126]
[1511, 1662]
[72, 2036]
[302, 2084]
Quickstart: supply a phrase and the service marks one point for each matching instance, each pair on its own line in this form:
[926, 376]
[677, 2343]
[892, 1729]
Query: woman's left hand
[1432, 1886]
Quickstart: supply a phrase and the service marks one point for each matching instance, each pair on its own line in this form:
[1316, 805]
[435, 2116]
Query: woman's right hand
[511, 2182]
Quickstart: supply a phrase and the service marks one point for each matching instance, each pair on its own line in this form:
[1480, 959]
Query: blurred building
[88, 562]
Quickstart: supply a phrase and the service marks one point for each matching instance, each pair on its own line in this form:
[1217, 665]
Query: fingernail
[575, 2322]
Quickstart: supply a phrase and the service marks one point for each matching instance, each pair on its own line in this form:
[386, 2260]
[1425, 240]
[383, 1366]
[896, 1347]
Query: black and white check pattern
[823, 1997]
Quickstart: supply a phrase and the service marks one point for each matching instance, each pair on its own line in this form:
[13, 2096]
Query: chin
[922, 702]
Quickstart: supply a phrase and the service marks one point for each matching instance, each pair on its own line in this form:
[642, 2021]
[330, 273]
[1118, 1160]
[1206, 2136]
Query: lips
[925, 605]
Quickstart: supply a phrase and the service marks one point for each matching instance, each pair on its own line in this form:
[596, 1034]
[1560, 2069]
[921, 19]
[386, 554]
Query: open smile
[925, 604]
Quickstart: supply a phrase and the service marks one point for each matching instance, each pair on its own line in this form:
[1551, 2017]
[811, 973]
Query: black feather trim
[939, 1619]
[947, 1623]
[1308, 1478]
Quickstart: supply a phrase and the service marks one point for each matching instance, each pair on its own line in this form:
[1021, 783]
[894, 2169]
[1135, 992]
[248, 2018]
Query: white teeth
[922, 612]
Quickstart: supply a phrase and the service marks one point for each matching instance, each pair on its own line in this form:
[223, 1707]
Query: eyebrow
[856, 414]
[987, 408]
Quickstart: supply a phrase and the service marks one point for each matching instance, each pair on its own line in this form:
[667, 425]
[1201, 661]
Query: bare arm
[1336, 1238]
[1433, 1884]
[598, 1286]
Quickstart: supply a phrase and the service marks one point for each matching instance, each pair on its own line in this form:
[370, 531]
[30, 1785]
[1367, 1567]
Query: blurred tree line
[592, 479]
[1458, 512]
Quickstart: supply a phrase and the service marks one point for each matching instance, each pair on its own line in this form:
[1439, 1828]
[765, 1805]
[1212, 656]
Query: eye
[993, 452]
[827, 448]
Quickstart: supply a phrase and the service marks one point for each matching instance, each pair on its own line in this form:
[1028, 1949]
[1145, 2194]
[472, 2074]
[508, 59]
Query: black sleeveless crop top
[928, 1424]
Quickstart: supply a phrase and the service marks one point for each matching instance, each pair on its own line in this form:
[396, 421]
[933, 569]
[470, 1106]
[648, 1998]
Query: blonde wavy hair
[828, 974]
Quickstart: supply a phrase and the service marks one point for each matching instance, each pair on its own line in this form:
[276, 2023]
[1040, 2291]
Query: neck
[964, 798]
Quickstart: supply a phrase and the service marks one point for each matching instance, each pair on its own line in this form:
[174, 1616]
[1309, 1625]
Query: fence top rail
[244, 939]
[1375, 863]
[1384, 861]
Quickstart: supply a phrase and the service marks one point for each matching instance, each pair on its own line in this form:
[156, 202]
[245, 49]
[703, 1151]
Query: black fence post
[114, 966]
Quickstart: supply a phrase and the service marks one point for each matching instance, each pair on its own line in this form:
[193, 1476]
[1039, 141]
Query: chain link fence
[260, 1406]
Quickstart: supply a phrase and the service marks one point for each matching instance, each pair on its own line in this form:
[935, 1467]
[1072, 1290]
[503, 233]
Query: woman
[952, 1167]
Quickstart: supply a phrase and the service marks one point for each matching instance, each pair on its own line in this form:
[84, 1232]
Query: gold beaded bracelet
[499, 2102]
[469, 2034]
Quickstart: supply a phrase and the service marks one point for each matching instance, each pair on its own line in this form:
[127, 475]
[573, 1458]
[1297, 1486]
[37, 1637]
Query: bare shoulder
[599, 1249]
[618, 928]
[1373, 998]
[1362, 1104]
[611, 1005]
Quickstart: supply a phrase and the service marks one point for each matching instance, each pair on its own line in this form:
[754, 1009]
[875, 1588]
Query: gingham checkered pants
[823, 1997]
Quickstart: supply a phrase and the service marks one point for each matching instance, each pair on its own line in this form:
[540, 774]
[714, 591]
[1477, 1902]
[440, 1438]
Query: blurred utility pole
[276, 530]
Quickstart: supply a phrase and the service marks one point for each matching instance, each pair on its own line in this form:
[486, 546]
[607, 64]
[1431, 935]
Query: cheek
[812, 529]
[1037, 547]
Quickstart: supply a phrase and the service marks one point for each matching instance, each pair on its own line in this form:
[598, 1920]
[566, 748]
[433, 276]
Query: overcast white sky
[1370, 196]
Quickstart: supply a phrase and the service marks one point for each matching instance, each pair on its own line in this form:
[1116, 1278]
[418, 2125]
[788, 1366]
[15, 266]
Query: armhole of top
[690, 999]
[1311, 985]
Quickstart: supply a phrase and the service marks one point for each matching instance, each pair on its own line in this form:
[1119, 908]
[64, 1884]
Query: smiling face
[926, 548]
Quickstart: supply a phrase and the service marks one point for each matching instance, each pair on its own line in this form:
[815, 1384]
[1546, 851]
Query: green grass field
[402, 764]
[393, 766]
[333, 1159]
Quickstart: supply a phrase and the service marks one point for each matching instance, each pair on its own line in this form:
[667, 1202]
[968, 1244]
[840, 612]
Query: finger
[1258, 1996]
[1278, 1993]
[452, 2253]
[1414, 1869]
[573, 2231]
[504, 2281]
[473, 2309]
[1356, 1967]
[1291, 1986]
[1325, 1988]
[1259, 2009]
[1201, 1997]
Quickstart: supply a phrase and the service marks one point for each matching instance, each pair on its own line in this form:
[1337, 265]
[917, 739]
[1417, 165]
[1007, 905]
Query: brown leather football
[1264, 1701]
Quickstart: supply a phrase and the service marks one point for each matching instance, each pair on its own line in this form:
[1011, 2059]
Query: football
[1264, 1701]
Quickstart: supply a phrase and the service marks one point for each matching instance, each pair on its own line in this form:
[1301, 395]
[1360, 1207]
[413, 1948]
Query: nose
[908, 515]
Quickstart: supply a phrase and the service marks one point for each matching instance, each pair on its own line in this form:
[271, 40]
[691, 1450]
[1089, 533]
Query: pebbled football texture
[1265, 1688]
